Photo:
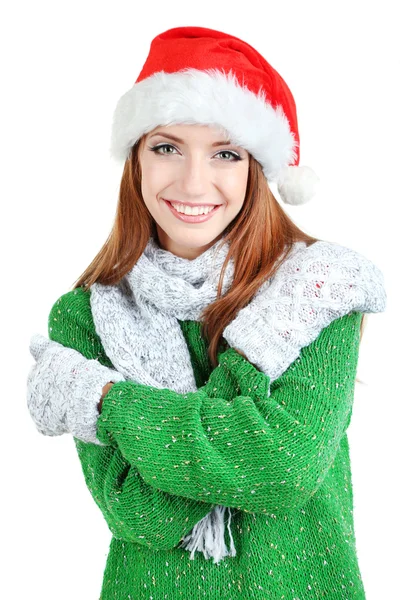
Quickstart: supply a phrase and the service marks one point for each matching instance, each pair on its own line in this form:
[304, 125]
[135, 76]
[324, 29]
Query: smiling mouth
[192, 218]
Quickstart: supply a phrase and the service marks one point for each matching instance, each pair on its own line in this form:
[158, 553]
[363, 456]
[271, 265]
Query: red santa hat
[195, 75]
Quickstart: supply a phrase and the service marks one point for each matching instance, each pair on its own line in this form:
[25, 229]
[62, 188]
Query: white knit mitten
[314, 286]
[64, 389]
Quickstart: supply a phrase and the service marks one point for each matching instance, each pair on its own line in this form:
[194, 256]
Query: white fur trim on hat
[209, 97]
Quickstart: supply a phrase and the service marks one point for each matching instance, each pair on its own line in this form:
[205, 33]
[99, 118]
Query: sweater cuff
[248, 377]
[271, 354]
[111, 406]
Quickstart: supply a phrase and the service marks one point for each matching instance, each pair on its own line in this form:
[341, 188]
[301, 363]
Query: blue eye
[160, 146]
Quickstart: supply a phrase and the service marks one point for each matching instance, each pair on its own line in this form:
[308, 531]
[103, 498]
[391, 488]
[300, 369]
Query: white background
[64, 66]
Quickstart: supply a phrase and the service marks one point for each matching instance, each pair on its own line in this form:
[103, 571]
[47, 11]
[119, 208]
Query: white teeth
[195, 210]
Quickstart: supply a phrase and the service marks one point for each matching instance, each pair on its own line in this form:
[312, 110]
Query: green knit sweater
[281, 462]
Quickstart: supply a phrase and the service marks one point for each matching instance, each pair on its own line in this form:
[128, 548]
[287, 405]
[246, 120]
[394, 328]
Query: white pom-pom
[297, 185]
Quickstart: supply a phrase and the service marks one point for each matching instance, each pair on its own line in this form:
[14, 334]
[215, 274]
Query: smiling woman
[191, 173]
[205, 361]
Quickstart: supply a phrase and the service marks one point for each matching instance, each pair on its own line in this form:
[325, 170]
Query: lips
[192, 218]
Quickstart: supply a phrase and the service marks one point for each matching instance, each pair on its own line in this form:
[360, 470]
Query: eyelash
[155, 148]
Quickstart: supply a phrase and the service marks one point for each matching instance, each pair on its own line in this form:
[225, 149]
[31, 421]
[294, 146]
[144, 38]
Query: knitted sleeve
[133, 510]
[240, 440]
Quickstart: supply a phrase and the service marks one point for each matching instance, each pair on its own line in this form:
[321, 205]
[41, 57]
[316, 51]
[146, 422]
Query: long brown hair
[260, 236]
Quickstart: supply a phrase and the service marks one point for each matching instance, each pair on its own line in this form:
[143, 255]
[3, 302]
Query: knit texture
[64, 389]
[281, 462]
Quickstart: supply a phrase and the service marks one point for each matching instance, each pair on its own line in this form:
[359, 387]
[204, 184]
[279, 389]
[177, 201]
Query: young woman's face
[194, 169]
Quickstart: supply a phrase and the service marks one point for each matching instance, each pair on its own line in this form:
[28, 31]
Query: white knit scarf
[137, 324]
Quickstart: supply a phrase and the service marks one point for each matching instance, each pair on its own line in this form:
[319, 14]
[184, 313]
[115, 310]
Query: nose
[194, 177]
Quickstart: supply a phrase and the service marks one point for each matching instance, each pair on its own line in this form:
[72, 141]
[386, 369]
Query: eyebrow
[176, 139]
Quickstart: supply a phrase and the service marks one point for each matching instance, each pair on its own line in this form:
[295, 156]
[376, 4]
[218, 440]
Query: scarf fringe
[208, 536]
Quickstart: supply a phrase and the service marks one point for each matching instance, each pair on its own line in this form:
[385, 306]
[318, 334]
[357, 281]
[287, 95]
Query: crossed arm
[240, 441]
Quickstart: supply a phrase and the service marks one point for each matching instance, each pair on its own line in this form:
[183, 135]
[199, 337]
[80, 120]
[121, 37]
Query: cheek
[234, 186]
[153, 180]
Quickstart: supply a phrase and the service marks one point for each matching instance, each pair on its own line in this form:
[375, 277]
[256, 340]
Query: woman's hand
[64, 389]
[314, 286]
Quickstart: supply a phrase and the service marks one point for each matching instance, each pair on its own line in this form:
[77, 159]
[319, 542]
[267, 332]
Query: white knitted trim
[209, 97]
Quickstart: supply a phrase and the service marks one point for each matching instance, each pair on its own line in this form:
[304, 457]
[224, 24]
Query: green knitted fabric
[281, 462]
